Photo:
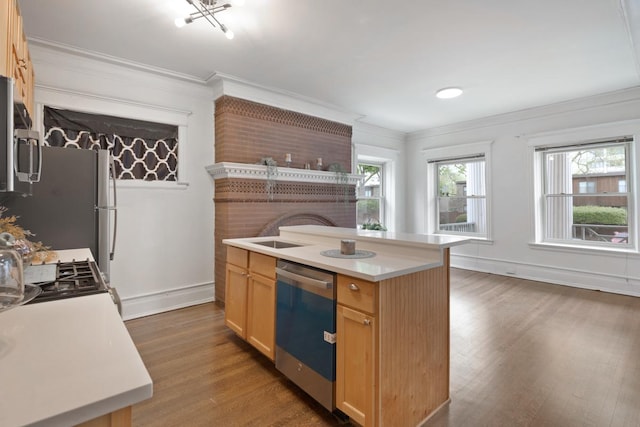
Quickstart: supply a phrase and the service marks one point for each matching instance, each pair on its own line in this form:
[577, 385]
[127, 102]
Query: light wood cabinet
[261, 314]
[235, 309]
[15, 60]
[6, 14]
[356, 353]
[355, 364]
[250, 298]
[392, 347]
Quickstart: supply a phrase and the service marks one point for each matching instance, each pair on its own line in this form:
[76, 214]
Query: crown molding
[224, 84]
[629, 95]
[630, 11]
[248, 171]
[72, 50]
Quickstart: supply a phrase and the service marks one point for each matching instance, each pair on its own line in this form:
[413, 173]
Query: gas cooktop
[72, 279]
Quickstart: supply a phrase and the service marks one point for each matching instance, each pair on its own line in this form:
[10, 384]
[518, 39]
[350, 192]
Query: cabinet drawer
[357, 293]
[238, 257]
[262, 264]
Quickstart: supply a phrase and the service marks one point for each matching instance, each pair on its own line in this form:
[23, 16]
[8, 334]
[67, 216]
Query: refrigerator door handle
[31, 140]
[112, 172]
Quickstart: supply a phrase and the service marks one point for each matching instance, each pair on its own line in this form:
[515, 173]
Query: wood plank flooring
[523, 353]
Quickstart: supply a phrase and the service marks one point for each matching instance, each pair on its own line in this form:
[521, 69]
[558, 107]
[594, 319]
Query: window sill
[474, 239]
[577, 249]
[151, 185]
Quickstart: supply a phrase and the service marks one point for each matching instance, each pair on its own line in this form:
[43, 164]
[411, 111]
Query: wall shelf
[249, 171]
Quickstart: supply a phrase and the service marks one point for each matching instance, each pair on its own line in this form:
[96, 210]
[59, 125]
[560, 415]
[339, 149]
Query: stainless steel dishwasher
[305, 329]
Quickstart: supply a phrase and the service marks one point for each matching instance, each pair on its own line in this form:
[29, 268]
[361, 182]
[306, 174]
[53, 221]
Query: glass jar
[11, 278]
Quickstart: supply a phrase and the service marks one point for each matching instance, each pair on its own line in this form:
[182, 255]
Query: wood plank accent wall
[414, 336]
[247, 131]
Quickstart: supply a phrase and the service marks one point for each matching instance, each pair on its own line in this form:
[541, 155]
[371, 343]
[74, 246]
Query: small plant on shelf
[373, 226]
[272, 172]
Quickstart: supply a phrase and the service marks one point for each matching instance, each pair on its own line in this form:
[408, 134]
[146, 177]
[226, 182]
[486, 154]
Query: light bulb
[180, 22]
[227, 32]
[449, 92]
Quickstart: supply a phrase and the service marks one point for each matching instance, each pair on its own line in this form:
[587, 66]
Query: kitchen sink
[277, 244]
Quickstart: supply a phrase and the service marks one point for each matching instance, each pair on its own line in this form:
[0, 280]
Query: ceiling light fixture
[449, 92]
[206, 9]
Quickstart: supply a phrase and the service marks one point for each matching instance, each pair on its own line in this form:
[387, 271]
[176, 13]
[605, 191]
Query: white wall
[512, 201]
[164, 253]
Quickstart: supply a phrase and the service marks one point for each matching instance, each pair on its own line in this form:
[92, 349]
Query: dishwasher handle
[304, 279]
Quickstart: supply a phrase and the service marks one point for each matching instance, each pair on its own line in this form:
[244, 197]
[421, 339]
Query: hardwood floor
[204, 375]
[523, 353]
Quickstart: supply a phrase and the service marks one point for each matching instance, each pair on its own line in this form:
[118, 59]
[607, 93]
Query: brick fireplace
[246, 205]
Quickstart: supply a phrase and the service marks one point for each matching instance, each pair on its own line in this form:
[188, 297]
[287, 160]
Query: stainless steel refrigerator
[72, 206]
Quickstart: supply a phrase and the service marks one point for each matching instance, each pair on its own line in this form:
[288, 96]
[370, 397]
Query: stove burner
[73, 279]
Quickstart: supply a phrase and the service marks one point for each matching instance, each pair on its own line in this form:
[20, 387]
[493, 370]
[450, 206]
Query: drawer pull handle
[354, 287]
[367, 322]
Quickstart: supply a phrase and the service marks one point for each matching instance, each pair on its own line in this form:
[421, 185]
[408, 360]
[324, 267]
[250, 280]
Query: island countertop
[67, 361]
[396, 254]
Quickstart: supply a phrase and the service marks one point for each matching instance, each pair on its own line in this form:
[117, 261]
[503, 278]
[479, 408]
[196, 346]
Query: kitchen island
[392, 315]
[69, 361]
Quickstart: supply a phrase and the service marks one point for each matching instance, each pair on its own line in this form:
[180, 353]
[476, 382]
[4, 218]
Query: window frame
[382, 197]
[459, 160]
[435, 156]
[393, 189]
[95, 104]
[547, 196]
[576, 136]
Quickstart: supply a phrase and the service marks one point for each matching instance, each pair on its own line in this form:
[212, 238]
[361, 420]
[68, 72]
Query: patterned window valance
[141, 150]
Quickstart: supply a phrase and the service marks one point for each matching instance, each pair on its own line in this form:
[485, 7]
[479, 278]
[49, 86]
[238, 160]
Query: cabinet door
[5, 37]
[355, 365]
[235, 307]
[261, 312]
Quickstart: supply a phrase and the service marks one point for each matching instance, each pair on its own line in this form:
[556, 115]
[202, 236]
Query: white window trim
[388, 158]
[94, 104]
[458, 151]
[382, 198]
[567, 137]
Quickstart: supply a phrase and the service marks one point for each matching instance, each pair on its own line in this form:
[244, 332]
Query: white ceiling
[380, 59]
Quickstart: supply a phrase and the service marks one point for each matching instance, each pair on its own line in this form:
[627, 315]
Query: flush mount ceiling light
[449, 92]
[206, 9]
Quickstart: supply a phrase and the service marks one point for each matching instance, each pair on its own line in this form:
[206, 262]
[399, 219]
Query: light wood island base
[119, 418]
[392, 318]
[393, 360]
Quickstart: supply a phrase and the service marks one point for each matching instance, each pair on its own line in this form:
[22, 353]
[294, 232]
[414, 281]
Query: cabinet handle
[367, 322]
[354, 287]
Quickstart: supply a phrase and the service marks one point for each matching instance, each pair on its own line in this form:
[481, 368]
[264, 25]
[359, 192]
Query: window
[461, 195]
[141, 150]
[584, 197]
[622, 186]
[587, 187]
[370, 194]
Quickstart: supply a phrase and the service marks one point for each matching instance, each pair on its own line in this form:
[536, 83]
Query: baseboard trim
[617, 284]
[166, 300]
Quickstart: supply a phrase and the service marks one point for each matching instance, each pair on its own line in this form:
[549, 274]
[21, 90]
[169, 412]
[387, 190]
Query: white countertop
[397, 254]
[67, 361]
[389, 237]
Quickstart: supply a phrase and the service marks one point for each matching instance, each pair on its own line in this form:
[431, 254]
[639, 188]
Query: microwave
[20, 146]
